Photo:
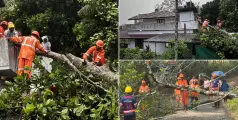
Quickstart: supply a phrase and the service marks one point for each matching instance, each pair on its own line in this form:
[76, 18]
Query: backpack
[224, 86]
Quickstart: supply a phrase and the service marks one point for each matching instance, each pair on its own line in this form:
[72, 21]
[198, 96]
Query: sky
[130, 8]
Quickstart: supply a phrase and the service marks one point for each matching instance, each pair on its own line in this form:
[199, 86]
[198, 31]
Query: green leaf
[52, 75]
[44, 111]
[80, 109]
[64, 111]
[91, 97]
[30, 108]
[92, 115]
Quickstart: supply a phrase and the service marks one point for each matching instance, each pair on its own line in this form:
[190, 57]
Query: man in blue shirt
[215, 87]
[128, 104]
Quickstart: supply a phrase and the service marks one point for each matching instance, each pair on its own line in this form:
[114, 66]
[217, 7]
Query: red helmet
[100, 43]
[143, 81]
[181, 75]
[4, 23]
[10, 23]
[36, 33]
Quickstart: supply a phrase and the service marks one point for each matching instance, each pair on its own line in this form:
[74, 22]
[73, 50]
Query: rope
[188, 65]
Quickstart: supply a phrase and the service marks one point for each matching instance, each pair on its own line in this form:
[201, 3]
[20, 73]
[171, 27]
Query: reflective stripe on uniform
[128, 111]
[87, 54]
[31, 46]
[99, 57]
[20, 68]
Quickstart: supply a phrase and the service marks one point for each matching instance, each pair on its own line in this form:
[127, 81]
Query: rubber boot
[185, 107]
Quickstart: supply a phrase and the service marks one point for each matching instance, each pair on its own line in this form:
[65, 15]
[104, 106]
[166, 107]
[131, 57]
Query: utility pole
[176, 29]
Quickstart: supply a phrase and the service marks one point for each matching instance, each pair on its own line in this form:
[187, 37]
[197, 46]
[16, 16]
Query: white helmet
[45, 37]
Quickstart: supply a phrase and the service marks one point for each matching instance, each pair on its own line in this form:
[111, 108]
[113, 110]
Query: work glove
[47, 51]
[84, 62]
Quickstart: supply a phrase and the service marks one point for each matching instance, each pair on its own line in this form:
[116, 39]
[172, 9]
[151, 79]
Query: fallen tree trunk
[168, 85]
[102, 73]
[107, 76]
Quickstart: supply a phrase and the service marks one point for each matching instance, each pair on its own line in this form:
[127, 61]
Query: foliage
[68, 21]
[99, 20]
[225, 46]
[72, 98]
[130, 76]
[54, 18]
[228, 13]
[210, 11]
[182, 49]
[233, 105]
[136, 53]
[168, 5]
[159, 104]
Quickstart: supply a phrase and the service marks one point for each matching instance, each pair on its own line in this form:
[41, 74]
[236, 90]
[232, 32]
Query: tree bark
[102, 73]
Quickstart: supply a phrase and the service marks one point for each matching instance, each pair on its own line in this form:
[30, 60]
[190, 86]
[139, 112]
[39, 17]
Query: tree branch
[201, 91]
[62, 57]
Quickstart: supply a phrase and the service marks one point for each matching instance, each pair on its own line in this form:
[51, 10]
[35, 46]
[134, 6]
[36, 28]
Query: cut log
[103, 72]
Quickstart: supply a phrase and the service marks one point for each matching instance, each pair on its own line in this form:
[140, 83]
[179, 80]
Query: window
[160, 20]
[139, 43]
[124, 43]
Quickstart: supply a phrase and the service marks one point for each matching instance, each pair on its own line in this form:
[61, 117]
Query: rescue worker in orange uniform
[27, 51]
[204, 25]
[219, 24]
[194, 84]
[3, 27]
[194, 79]
[182, 94]
[144, 88]
[97, 52]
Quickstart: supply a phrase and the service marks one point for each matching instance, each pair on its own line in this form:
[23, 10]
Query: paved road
[206, 112]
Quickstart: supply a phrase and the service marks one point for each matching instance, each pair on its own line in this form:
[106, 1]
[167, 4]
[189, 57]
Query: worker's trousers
[22, 63]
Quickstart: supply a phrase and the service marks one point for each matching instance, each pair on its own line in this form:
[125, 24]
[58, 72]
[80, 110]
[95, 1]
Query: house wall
[160, 47]
[187, 18]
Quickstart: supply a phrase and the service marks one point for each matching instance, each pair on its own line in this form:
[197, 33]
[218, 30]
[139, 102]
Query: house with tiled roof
[157, 29]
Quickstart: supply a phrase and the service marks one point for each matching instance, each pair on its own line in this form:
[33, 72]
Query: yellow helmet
[11, 25]
[128, 89]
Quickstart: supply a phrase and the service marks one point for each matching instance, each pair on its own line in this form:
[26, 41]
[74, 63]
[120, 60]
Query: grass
[232, 106]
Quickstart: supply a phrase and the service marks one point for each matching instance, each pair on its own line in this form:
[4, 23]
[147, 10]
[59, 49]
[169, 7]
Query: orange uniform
[27, 52]
[98, 56]
[194, 86]
[2, 31]
[182, 96]
[205, 23]
[144, 89]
